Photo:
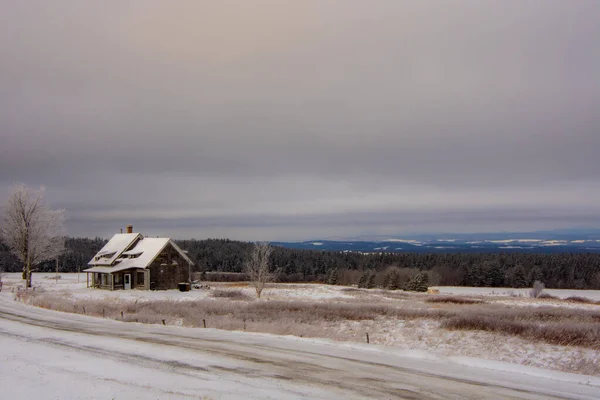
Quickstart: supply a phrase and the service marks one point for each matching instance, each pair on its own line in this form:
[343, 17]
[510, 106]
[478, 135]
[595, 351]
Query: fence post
[121, 314]
[163, 321]
[367, 338]
[103, 313]
[204, 322]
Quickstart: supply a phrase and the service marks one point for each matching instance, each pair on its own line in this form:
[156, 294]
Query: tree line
[563, 270]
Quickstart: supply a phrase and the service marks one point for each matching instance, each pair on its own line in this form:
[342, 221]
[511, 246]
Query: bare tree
[257, 267]
[538, 288]
[32, 230]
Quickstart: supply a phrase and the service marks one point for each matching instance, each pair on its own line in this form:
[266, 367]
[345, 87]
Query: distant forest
[219, 258]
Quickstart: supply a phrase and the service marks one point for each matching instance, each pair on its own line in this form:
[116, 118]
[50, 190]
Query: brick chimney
[129, 228]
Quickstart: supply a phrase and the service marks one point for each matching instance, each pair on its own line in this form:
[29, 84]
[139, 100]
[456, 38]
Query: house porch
[138, 278]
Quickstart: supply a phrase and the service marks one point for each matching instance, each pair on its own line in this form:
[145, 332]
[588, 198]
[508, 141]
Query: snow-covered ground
[418, 334]
[47, 354]
[76, 285]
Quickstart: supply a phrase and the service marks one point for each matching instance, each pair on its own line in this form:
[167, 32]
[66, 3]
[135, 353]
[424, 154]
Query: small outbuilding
[132, 261]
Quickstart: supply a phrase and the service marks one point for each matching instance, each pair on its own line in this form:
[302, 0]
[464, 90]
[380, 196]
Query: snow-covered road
[51, 355]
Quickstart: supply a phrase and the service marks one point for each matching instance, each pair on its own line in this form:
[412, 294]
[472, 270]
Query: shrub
[453, 300]
[546, 296]
[225, 277]
[583, 300]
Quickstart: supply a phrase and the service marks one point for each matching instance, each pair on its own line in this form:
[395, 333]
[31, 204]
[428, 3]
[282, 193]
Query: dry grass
[558, 326]
[236, 284]
[454, 300]
[230, 294]
[549, 325]
[191, 313]
[398, 294]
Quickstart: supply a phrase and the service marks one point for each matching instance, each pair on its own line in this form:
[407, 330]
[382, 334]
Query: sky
[304, 119]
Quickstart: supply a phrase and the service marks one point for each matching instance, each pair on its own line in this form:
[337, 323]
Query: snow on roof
[149, 249]
[107, 270]
[115, 246]
[145, 250]
[133, 252]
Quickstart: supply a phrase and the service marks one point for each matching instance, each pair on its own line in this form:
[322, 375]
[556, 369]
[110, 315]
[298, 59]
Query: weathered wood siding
[167, 270]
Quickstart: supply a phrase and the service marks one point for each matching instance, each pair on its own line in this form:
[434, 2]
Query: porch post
[147, 279]
[87, 278]
[112, 281]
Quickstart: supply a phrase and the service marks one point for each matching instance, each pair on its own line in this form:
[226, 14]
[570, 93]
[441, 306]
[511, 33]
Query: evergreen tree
[493, 275]
[535, 275]
[371, 281]
[394, 281]
[386, 281]
[333, 277]
[519, 279]
[362, 282]
[418, 283]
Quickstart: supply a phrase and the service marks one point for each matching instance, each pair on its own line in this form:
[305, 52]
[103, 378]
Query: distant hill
[564, 241]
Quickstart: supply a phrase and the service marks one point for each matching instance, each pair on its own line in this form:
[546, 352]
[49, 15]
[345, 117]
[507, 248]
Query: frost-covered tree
[536, 291]
[257, 266]
[33, 231]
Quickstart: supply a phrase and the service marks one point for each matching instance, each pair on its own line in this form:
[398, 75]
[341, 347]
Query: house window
[140, 279]
[117, 279]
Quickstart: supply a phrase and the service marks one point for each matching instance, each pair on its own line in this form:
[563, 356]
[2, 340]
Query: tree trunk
[28, 273]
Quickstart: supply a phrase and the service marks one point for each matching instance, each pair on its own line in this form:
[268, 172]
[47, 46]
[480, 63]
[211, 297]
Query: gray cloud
[290, 120]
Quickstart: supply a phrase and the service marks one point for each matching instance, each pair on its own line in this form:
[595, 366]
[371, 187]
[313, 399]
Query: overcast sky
[305, 119]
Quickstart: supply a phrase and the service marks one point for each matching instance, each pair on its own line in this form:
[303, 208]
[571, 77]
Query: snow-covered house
[132, 261]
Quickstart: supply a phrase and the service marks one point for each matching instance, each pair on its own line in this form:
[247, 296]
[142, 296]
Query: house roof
[140, 255]
[107, 270]
[113, 249]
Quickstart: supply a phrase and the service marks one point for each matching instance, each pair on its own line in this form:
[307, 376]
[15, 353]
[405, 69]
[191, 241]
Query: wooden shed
[132, 261]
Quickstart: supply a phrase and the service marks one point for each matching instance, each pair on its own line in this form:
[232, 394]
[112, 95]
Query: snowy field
[52, 355]
[76, 285]
[523, 293]
[422, 334]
